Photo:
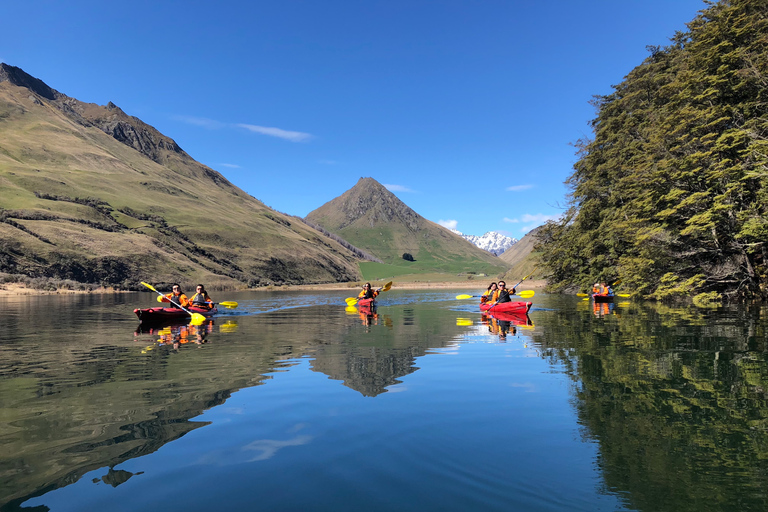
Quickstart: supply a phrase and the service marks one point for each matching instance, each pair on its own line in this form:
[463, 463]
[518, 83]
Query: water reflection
[675, 397]
[647, 407]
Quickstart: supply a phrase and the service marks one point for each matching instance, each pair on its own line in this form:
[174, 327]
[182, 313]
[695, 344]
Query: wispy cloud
[231, 166]
[531, 220]
[212, 124]
[204, 122]
[450, 224]
[398, 188]
[518, 188]
[277, 132]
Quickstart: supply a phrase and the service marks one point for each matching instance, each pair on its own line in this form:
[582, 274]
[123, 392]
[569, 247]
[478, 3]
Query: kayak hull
[366, 303]
[519, 307]
[602, 297]
[513, 318]
[163, 315]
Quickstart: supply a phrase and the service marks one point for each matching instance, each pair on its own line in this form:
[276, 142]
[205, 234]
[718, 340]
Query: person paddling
[504, 294]
[368, 293]
[177, 297]
[201, 299]
[490, 293]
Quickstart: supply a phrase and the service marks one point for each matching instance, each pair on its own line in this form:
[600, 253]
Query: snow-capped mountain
[491, 241]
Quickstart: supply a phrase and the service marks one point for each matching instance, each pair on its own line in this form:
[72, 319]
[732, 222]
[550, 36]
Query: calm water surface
[290, 402]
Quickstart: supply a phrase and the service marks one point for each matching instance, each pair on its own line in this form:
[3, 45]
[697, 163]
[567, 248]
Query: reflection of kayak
[161, 315]
[602, 297]
[366, 303]
[508, 307]
[515, 318]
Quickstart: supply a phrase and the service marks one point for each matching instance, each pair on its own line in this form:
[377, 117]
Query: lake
[292, 402]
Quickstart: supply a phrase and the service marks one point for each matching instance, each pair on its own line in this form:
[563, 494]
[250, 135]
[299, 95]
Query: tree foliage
[671, 194]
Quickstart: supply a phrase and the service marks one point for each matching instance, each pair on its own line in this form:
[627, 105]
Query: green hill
[94, 195]
[523, 259]
[372, 218]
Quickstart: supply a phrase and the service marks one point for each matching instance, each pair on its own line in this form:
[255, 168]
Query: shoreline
[19, 289]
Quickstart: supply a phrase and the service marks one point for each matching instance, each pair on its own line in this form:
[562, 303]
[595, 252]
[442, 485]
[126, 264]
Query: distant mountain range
[372, 218]
[492, 241]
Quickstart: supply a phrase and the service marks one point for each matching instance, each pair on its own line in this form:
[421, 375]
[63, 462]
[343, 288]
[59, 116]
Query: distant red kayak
[159, 315]
[508, 307]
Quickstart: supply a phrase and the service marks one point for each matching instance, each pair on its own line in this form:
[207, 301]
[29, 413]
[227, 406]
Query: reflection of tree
[676, 399]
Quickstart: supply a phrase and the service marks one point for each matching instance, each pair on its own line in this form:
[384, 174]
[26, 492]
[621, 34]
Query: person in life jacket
[504, 294]
[201, 299]
[368, 293]
[605, 289]
[490, 293]
[176, 297]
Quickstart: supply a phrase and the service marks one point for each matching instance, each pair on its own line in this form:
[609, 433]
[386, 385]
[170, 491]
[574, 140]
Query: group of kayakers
[497, 293]
[200, 299]
[602, 289]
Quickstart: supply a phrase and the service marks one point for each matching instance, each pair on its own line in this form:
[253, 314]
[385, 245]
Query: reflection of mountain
[77, 399]
[368, 362]
[676, 400]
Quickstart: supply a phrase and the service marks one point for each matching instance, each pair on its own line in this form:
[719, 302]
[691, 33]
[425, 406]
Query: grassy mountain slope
[522, 258]
[94, 195]
[375, 220]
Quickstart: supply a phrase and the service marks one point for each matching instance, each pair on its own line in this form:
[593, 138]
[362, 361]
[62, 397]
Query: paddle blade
[623, 294]
[464, 322]
[526, 294]
[460, 297]
[230, 304]
[351, 310]
[197, 319]
[582, 295]
[150, 287]
[387, 287]
[585, 298]
[159, 298]
[351, 301]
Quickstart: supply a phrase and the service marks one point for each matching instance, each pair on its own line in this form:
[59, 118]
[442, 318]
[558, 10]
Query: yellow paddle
[525, 294]
[351, 301]
[197, 318]
[227, 304]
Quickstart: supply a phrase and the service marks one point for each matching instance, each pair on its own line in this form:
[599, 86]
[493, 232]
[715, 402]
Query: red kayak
[602, 297]
[514, 318]
[159, 315]
[366, 303]
[507, 307]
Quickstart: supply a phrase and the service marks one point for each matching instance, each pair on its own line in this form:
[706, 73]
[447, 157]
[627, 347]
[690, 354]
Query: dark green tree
[671, 194]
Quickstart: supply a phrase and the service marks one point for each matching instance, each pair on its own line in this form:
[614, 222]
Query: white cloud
[231, 166]
[277, 132]
[532, 220]
[518, 188]
[450, 224]
[211, 124]
[398, 188]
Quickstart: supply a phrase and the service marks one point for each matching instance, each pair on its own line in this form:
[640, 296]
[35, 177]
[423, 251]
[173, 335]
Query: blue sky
[465, 109]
